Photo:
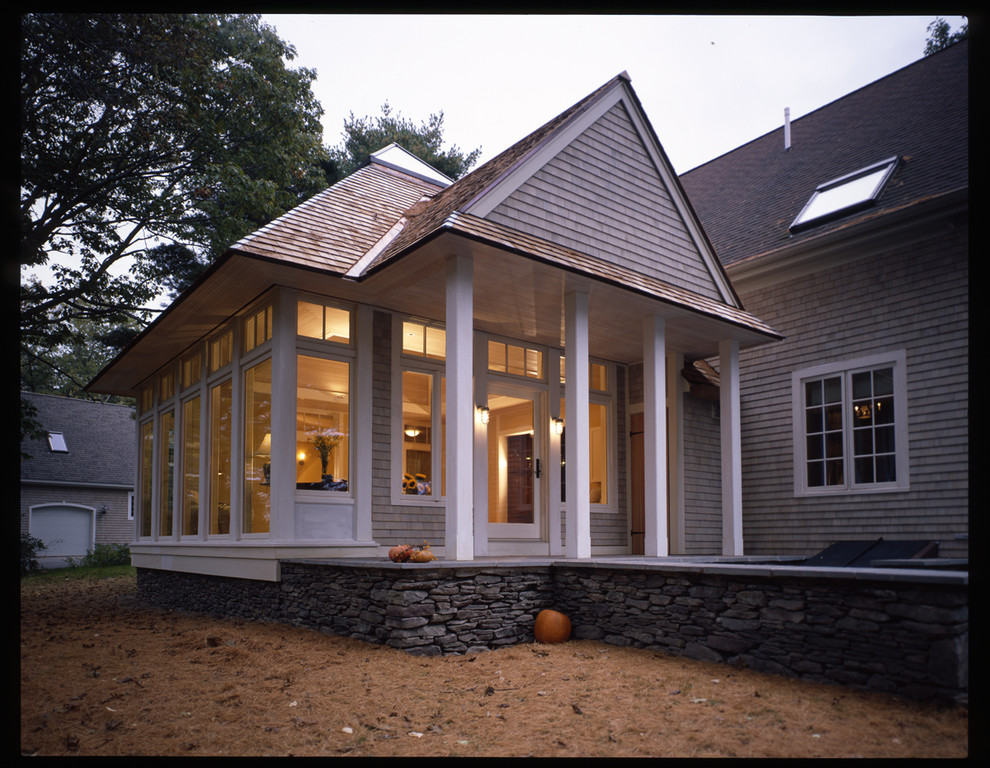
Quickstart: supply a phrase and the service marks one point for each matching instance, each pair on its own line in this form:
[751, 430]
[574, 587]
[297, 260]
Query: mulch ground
[102, 674]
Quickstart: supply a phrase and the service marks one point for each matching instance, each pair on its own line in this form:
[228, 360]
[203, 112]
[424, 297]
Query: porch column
[283, 451]
[459, 544]
[731, 438]
[577, 541]
[655, 437]
[363, 458]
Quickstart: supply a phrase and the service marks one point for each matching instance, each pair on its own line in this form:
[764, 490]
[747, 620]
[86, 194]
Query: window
[147, 454]
[56, 442]
[318, 321]
[257, 447]
[166, 457]
[598, 453]
[515, 360]
[420, 436]
[220, 434]
[221, 351]
[166, 387]
[424, 340]
[850, 427]
[191, 369]
[258, 328]
[322, 424]
[146, 399]
[597, 375]
[846, 194]
[189, 492]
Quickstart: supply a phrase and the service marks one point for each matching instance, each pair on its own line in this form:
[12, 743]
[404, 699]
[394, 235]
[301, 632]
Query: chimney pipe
[787, 128]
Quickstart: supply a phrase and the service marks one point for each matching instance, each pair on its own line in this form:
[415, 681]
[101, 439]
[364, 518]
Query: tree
[939, 36]
[363, 136]
[150, 143]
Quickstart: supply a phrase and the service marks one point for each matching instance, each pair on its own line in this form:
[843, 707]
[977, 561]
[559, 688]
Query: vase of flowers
[325, 441]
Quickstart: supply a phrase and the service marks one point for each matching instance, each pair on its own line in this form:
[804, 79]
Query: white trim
[731, 440]
[578, 505]
[898, 361]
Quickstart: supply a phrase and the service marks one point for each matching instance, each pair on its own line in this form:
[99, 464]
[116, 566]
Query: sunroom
[401, 359]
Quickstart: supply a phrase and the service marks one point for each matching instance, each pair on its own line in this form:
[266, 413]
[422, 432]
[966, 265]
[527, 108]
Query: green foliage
[31, 548]
[939, 35]
[150, 141]
[363, 136]
[103, 556]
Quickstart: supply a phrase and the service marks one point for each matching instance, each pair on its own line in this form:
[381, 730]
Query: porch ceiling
[516, 294]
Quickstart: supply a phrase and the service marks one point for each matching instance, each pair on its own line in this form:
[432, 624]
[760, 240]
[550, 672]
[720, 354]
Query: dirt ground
[102, 674]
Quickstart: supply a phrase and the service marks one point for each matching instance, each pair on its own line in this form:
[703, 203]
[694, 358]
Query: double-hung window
[850, 426]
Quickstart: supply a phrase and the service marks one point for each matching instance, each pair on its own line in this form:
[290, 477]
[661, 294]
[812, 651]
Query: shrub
[31, 547]
[102, 555]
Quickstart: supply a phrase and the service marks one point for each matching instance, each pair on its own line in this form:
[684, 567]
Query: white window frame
[402, 362]
[896, 360]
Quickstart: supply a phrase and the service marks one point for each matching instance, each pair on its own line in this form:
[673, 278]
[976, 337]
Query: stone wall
[864, 628]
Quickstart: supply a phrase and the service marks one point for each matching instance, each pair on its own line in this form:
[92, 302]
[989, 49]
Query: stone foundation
[867, 628]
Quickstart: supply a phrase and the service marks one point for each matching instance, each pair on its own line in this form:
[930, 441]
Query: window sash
[850, 430]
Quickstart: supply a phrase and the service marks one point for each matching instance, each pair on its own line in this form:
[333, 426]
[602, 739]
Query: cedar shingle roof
[99, 436]
[747, 198]
[336, 227]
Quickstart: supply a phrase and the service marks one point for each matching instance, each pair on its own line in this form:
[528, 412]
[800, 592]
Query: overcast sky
[708, 83]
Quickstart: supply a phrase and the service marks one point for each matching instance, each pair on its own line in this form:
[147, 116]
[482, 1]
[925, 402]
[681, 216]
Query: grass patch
[49, 575]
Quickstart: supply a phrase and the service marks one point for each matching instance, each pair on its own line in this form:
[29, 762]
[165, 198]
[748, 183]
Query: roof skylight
[845, 194]
[394, 156]
[56, 442]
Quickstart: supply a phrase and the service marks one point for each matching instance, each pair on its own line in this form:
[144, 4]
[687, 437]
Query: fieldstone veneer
[897, 631]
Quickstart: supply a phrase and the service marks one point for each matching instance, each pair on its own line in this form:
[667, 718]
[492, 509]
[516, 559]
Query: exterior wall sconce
[558, 426]
[485, 415]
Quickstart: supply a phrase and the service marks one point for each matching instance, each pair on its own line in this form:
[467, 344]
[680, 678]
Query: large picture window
[422, 438]
[257, 447]
[147, 457]
[322, 424]
[190, 467]
[220, 435]
[166, 455]
[850, 427]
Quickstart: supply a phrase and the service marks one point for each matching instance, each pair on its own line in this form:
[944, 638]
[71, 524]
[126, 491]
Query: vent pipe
[787, 128]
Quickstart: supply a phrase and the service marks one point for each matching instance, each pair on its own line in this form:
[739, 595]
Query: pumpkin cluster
[404, 553]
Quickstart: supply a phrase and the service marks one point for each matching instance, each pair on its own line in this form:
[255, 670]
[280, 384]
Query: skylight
[845, 194]
[394, 156]
[56, 441]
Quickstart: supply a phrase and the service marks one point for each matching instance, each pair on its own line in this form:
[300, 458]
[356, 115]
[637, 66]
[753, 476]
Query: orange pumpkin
[551, 627]
[400, 554]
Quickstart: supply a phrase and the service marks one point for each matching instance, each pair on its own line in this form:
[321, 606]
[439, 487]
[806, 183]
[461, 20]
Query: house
[847, 231]
[494, 365]
[77, 481]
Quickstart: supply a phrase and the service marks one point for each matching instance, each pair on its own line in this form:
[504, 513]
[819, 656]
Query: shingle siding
[913, 298]
[602, 196]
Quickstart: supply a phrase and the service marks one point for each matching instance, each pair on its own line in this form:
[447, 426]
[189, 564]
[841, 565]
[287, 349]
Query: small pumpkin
[551, 627]
[400, 553]
[423, 555]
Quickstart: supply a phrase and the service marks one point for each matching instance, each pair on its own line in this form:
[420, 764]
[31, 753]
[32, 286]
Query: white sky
[707, 83]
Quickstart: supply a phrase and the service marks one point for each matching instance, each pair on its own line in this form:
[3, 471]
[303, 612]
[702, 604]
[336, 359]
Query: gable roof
[748, 198]
[99, 438]
[483, 190]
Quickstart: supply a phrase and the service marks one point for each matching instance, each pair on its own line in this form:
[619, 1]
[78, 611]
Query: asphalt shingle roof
[100, 437]
[748, 198]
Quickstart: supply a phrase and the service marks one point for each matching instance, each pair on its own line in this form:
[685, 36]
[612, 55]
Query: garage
[66, 530]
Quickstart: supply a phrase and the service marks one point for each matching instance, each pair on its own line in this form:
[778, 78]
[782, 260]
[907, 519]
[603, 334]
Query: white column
[283, 451]
[459, 543]
[480, 447]
[655, 437]
[732, 532]
[360, 479]
[577, 542]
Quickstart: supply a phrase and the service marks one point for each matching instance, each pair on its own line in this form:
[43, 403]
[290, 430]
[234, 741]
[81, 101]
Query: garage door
[67, 530]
